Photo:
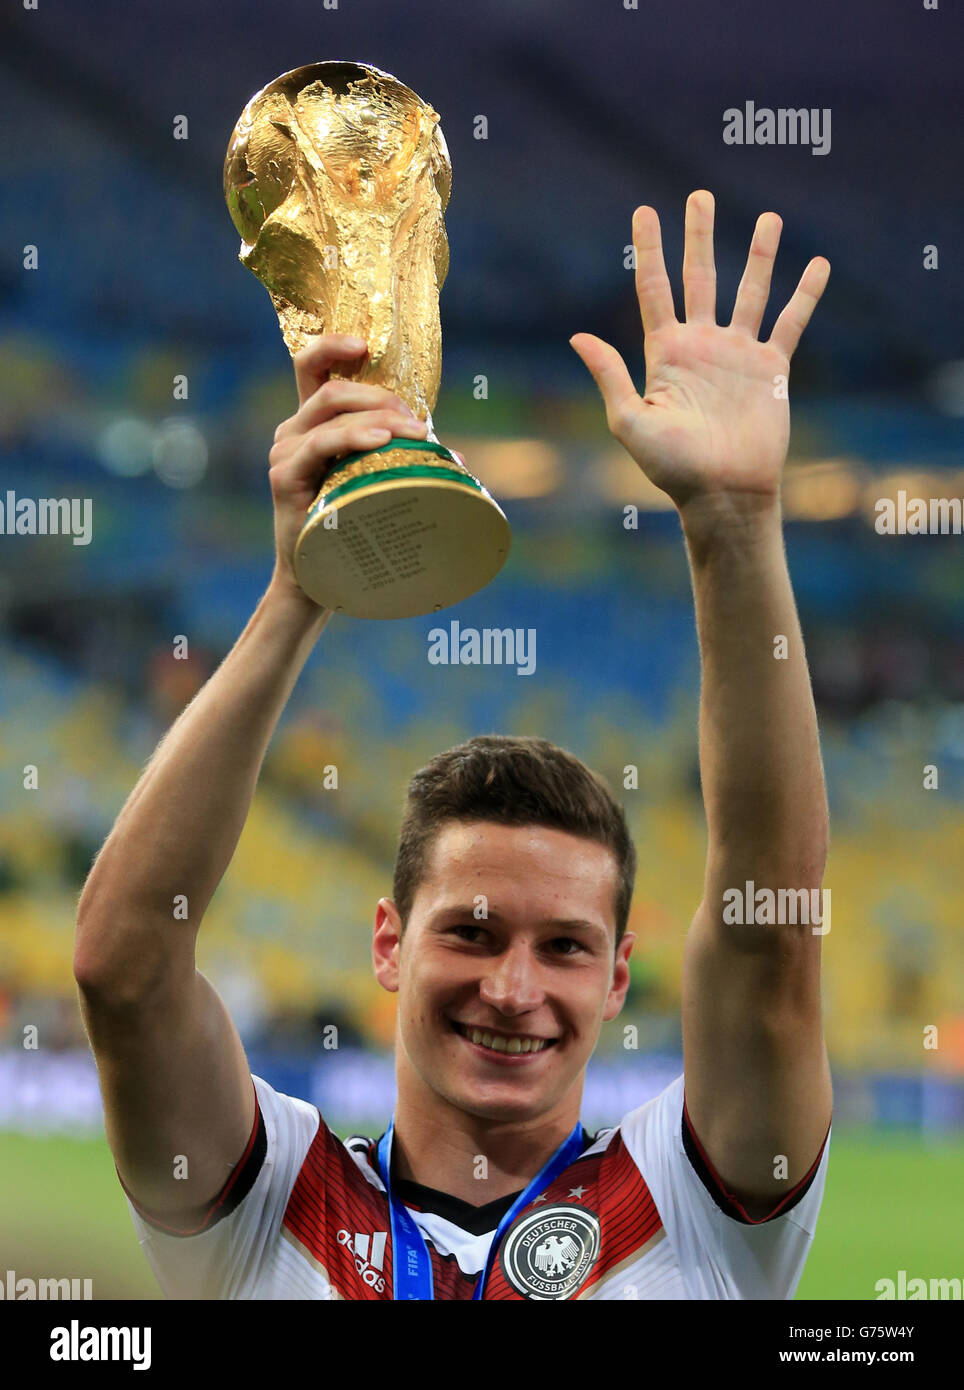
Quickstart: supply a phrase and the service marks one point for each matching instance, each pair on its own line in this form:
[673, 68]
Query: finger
[314, 362]
[344, 434]
[789, 327]
[754, 291]
[334, 441]
[318, 454]
[610, 374]
[652, 283]
[699, 268]
[335, 397]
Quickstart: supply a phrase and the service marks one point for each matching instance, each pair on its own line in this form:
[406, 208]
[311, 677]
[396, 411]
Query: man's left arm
[711, 430]
[758, 1090]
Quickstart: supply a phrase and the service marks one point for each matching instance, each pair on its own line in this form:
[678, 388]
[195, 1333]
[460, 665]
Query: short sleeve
[722, 1253]
[221, 1253]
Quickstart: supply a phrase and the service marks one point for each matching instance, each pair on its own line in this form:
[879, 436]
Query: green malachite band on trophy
[408, 471]
[412, 471]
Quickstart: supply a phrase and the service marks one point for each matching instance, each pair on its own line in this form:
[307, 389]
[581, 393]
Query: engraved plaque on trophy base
[400, 531]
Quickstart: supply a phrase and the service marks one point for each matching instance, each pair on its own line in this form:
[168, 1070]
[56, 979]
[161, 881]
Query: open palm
[714, 416]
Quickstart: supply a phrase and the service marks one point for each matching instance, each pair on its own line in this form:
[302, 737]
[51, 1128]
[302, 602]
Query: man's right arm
[173, 1074]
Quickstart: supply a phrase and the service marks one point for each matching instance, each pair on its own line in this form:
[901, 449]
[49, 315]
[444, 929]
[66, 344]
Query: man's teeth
[499, 1044]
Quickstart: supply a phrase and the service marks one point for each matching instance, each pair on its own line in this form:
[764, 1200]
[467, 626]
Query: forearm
[180, 826]
[760, 764]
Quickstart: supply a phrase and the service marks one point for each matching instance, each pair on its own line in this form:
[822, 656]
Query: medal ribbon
[411, 1262]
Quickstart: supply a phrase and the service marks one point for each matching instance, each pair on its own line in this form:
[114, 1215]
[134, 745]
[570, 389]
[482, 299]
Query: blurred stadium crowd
[138, 289]
[89, 681]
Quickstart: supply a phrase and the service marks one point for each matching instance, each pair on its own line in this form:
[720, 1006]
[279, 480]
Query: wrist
[284, 598]
[741, 516]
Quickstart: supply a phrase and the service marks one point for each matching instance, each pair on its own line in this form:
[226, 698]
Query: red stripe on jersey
[334, 1210]
[612, 1190]
[331, 1204]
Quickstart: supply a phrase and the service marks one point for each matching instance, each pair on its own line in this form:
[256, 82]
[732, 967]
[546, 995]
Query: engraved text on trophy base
[386, 548]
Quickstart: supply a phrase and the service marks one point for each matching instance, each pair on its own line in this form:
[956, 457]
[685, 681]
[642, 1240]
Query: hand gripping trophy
[337, 177]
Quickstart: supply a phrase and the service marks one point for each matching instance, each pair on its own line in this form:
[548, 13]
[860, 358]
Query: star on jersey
[336, 1213]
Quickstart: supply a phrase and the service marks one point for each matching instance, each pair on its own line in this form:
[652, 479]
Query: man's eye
[469, 927]
[561, 942]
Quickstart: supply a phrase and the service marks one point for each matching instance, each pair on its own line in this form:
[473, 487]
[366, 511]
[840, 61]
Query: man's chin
[501, 1111]
[500, 1102]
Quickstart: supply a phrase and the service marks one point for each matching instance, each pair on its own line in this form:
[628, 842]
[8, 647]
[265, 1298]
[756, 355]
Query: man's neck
[440, 1146]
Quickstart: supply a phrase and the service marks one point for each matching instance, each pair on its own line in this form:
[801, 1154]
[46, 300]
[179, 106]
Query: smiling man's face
[499, 1014]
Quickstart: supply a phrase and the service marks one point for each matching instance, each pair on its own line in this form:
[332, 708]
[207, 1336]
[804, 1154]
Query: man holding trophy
[484, 1185]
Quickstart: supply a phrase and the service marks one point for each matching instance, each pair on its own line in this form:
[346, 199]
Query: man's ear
[386, 943]
[620, 984]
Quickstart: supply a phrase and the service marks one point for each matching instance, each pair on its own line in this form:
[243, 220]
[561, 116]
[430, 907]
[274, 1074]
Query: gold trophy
[337, 177]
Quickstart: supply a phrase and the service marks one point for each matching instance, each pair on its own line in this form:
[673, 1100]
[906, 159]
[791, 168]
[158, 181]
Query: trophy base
[400, 531]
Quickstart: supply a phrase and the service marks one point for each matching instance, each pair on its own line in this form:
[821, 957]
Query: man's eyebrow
[493, 915]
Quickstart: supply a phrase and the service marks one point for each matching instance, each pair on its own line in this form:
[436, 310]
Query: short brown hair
[510, 781]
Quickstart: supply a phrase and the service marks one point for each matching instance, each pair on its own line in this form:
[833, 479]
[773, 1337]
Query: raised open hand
[715, 415]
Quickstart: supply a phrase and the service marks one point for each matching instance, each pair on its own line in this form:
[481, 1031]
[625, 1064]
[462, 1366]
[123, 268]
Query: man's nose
[512, 983]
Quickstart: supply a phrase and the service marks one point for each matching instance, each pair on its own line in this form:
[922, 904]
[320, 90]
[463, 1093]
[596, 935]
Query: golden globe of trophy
[337, 177]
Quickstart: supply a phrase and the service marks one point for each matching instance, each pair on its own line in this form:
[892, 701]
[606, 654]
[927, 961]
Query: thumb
[609, 372]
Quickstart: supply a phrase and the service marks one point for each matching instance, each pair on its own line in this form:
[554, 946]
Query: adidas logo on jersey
[368, 1261]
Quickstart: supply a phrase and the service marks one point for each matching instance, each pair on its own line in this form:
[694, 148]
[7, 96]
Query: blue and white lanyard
[411, 1262]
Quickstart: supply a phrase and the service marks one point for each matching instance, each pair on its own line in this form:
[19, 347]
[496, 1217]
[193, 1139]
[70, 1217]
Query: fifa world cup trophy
[337, 177]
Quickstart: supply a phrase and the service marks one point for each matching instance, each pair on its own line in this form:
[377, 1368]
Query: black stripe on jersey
[725, 1200]
[232, 1194]
[477, 1221]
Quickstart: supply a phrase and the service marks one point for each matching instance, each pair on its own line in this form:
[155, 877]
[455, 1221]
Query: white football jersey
[639, 1215]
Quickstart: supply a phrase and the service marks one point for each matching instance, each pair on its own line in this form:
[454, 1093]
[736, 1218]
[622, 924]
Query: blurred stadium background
[590, 112]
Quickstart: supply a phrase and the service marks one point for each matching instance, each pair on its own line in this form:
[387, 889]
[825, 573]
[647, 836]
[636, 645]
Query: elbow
[94, 955]
[109, 974]
[84, 963]
[816, 851]
[797, 863]
[96, 976]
